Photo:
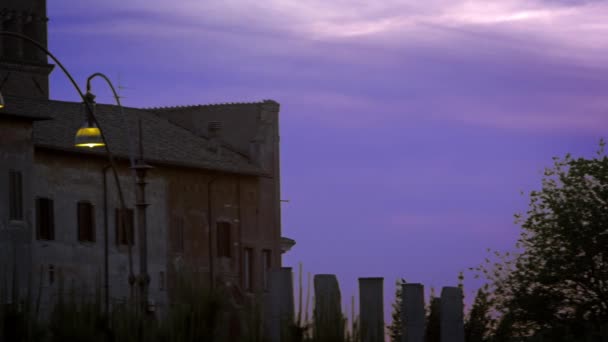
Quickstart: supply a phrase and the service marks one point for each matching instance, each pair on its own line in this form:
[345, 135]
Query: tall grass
[196, 314]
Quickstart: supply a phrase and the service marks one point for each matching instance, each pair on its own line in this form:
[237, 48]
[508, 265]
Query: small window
[45, 220]
[51, 274]
[179, 235]
[15, 193]
[248, 269]
[223, 240]
[266, 266]
[124, 234]
[86, 222]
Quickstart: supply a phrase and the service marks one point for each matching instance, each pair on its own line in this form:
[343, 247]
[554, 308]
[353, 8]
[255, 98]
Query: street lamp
[140, 169]
[90, 135]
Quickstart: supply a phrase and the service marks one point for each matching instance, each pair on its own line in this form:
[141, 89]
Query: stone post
[281, 302]
[451, 315]
[328, 320]
[371, 309]
[412, 313]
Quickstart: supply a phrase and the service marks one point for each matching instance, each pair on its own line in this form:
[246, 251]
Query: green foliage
[396, 327]
[556, 285]
[76, 318]
[18, 318]
[478, 322]
[432, 333]
[196, 314]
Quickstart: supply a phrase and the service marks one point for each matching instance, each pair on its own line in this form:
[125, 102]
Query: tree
[557, 282]
[478, 323]
[396, 326]
[432, 333]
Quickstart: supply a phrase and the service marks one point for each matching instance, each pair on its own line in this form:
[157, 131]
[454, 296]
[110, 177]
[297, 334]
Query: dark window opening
[15, 193]
[45, 220]
[51, 274]
[266, 266]
[223, 240]
[125, 234]
[178, 236]
[248, 269]
[86, 222]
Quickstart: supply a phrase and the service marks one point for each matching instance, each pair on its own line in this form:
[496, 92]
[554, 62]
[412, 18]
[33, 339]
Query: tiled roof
[163, 142]
[240, 120]
[212, 105]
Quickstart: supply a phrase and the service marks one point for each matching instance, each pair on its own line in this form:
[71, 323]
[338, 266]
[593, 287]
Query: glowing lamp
[88, 135]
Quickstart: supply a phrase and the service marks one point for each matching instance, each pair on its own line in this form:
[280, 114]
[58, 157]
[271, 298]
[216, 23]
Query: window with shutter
[86, 222]
[266, 266]
[223, 240]
[45, 220]
[15, 194]
[248, 269]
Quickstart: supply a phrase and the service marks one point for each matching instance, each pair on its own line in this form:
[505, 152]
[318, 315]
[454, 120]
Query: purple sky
[408, 128]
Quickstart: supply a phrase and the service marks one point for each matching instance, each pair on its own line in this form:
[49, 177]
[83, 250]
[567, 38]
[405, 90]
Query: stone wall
[68, 179]
[16, 154]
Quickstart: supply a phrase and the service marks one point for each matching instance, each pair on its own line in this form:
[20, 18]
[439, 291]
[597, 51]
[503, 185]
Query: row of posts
[328, 319]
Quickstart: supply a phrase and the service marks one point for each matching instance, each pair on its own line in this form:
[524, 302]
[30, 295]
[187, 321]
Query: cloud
[513, 64]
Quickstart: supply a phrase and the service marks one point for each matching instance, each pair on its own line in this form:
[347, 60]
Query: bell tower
[24, 69]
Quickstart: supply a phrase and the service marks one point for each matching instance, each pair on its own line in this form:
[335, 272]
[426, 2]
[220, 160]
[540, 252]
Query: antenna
[121, 87]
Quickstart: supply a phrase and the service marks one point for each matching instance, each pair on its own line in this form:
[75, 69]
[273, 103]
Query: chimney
[214, 131]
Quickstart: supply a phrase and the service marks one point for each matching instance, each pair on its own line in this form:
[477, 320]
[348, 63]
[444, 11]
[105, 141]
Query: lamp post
[139, 168]
[89, 135]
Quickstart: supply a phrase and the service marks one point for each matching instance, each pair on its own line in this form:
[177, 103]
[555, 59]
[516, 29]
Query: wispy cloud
[513, 64]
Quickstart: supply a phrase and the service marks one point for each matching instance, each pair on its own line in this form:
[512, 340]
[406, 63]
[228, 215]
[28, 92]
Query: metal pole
[140, 201]
[144, 279]
[210, 225]
[105, 246]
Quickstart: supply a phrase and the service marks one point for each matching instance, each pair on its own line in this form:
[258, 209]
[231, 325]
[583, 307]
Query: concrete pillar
[281, 304]
[451, 315]
[328, 320]
[371, 309]
[412, 313]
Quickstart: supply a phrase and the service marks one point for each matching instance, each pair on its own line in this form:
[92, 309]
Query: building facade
[213, 191]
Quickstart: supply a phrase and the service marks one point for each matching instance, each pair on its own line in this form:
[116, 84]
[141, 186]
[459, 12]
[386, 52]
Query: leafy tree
[396, 326]
[478, 323]
[557, 282]
[432, 333]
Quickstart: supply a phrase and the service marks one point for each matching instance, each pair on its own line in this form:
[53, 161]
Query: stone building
[213, 192]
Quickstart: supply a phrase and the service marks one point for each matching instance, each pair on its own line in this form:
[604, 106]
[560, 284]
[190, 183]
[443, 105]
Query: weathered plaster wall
[16, 153]
[235, 200]
[68, 179]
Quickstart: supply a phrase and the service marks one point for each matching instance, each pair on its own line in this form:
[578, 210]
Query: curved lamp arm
[131, 153]
[89, 112]
[122, 114]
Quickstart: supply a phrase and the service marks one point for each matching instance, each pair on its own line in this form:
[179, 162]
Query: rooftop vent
[214, 128]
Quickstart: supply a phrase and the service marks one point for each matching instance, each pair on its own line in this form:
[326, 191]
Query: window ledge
[16, 224]
[87, 243]
[125, 248]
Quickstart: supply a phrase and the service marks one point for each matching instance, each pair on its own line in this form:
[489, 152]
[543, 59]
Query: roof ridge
[200, 136]
[209, 105]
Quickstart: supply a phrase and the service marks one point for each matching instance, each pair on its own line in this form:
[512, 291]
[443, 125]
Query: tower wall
[24, 70]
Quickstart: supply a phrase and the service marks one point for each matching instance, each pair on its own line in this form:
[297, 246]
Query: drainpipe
[239, 217]
[209, 224]
[106, 280]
